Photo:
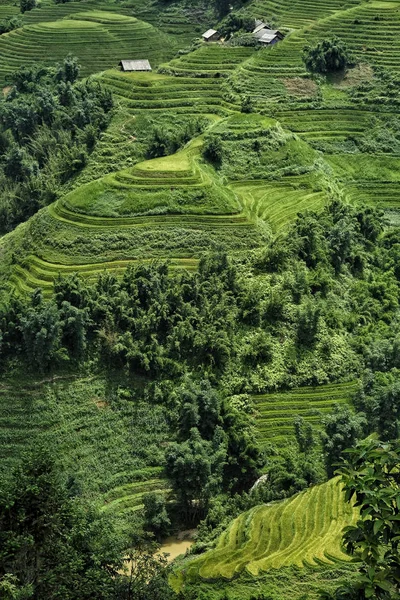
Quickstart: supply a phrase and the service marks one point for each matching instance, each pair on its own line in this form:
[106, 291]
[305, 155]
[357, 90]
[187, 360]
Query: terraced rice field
[370, 29]
[303, 530]
[276, 412]
[169, 208]
[210, 61]
[128, 498]
[368, 179]
[22, 418]
[141, 92]
[278, 203]
[297, 14]
[99, 39]
[325, 123]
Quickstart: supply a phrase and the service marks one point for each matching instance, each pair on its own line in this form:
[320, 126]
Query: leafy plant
[327, 56]
[371, 475]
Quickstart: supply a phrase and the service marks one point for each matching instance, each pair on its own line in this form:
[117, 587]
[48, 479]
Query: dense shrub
[49, 124]
[327, 56]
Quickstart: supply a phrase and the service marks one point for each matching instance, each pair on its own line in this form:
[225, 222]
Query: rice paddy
[276, 412]
[170, 208]
[120, 211]
[304, 530]
[99, 39]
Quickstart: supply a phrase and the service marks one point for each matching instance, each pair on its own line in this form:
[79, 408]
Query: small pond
[174, 547]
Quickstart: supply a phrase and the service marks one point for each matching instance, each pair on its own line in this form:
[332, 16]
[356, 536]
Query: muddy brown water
[174, 547]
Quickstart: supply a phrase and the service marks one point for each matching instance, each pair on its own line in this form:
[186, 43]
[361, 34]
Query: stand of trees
[327, 56]
[318, 304]
[49, 124]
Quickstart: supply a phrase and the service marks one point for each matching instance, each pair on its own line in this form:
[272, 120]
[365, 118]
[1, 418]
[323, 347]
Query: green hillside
[99, 39]
[194, 260]
[276, 412]
[304, 530]
[91, 424]
[170, 208]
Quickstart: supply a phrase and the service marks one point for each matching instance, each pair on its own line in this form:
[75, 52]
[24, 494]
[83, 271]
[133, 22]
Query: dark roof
[135, 65]
[209, 33]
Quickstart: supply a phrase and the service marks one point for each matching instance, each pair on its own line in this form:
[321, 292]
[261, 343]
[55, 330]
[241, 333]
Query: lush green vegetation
[49, 125]
[199, 299]
[305, 529]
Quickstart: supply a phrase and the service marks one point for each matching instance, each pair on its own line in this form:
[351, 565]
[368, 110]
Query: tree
[147, 575]
[9, 24]
[304, 434]
[26, 5]
[371, 475]
[380, 399]
[17, 165]
[213, 150]
[247, 105]
[222, 7]
[342, 428]
[42, 332]
[155, 513]
[51, 543]
[327, 56]
[68, 70]
[195, 471]
[199, 406]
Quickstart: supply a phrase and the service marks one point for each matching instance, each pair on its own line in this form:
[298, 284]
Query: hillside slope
[303, 530]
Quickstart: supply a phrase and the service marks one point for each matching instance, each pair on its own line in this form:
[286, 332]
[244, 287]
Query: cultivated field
[276, 412]
[303, 530]
[92, 431]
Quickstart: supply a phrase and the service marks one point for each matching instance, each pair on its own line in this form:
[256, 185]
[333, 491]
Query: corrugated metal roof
[268, 37]
[135, 65]
[209, 33]
[259, 26]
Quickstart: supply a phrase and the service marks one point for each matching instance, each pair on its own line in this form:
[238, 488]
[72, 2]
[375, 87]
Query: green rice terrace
[276, 412]
[199, 275]
[304, 530]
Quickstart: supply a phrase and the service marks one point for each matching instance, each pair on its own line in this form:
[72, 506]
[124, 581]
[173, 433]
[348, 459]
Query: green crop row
[303, 530]
[276, 412]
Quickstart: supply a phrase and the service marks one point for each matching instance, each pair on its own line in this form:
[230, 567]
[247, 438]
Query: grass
[369, 179]
[276, 412]
[305, 530]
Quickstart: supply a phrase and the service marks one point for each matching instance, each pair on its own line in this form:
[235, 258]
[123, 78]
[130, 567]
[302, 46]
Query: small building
[268, 37]
[211, 36]
[135, 65]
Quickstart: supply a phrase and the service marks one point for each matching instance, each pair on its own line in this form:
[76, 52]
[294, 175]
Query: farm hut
[268, 37]
[135, 65]
[211, 36]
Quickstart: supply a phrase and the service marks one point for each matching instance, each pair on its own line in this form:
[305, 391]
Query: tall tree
[371, 476]
[342, 429]
[53, 545]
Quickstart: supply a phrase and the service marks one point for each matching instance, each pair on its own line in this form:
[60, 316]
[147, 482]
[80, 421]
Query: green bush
[327, 56]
